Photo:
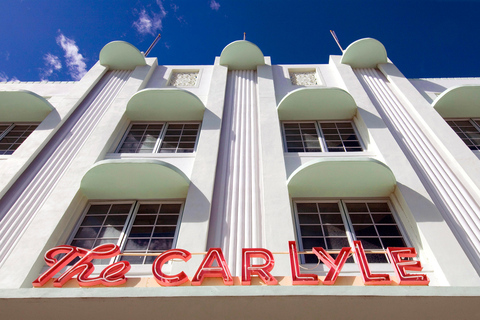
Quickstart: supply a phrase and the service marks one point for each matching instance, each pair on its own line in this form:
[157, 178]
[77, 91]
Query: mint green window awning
[317, 104]
[23, 106]
[134, 179]
[341, 177]
[170, 104]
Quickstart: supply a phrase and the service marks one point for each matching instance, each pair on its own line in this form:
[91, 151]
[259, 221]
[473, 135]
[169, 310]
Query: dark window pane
[137, 245]
[87, 232]
[141, 232]
[164, 232]
[311, 231]
[365, 230]
[356, 207]
[328, 207]
[383, 218]
[388, 230]
[393, 242]
[334, 230]
[370, 243]
[337, 243]
[306, 207]
[308, 218]
[360, 218]
[331, 218]
[309, 243]
[160, 244]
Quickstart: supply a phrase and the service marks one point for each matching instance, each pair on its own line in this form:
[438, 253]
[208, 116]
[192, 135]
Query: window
[12, 135]
[159, 137]
[336, 224]
[468, 130]
[321, 136]
[136, 226]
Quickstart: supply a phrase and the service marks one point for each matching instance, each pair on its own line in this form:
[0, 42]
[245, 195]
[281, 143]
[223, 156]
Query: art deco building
[242, 154]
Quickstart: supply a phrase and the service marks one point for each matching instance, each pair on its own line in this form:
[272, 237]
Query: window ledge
[329, 154]
[148, 155]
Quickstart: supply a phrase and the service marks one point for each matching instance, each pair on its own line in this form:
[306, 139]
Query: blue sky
[59, 40]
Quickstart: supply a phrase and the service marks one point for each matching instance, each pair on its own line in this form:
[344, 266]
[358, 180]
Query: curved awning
[459, 102]
[23, 106]
[170, 104]
[341, 177]
[121, 55]
[317, 104]
[241, 55]
[365, 53]
[134, 179]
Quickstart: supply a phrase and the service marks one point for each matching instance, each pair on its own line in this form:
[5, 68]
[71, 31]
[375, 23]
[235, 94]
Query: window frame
[349, 229]
[161, 136]
[321, 137]
[11, 126]
[123, 237]
[475, 122]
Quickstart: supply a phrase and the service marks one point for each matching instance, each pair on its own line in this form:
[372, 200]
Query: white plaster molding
[63, 149]
[448, 188]
[236, 206]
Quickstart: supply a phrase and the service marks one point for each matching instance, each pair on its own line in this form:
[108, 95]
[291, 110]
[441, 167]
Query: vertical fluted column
[460, 206]
[236, 209]
[47, 169]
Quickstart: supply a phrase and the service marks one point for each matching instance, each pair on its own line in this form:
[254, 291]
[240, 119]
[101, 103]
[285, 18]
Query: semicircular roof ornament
[134, 179]
[171, 104]
[23, 105]
[340, 177]
[459, 102]
[242, 55]
[317, 104]
[365, 53]
[121, 55]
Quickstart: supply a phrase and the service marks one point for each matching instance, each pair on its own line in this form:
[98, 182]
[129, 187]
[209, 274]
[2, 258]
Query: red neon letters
[334, 265]
[214, 265]
[262, 270]
[297, 277]
[207, 269]
[368, 277]
[400, 266]
[166, 280]
[112, 275]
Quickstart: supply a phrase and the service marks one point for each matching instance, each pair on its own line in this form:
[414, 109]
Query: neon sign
[214, 265]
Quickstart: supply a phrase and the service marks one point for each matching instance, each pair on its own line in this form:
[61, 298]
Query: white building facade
[242, 154]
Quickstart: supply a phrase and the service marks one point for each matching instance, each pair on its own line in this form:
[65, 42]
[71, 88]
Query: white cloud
[150, 23]
[74, 60]
[52, 63]
[3, 77]
[174, 7]
[214, 5]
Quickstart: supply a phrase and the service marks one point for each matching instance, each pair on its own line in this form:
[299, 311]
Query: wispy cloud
[52, 63]
[150, 23]
[74, 60]
[214, 5]
[4, 77]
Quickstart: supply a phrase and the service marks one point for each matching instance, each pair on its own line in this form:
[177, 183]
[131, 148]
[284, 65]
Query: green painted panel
[23, 106]
[365, 53]
[342, 177]
[317, 104]
[241, 55]
[134, 179]
[165, 105]
[459, 102]
[121, 55]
